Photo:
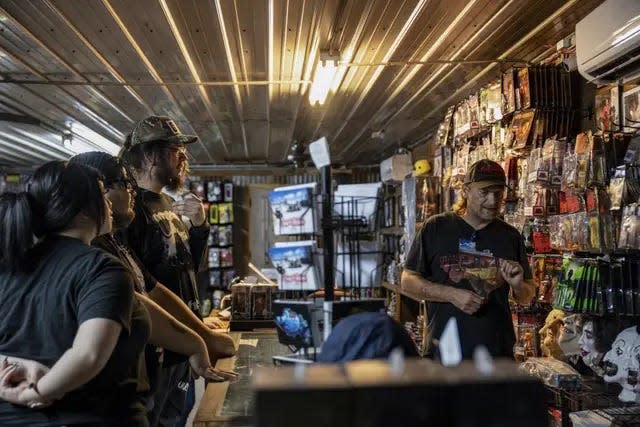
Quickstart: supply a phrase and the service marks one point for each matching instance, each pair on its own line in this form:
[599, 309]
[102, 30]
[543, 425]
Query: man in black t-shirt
[460, 262]
[155, 151]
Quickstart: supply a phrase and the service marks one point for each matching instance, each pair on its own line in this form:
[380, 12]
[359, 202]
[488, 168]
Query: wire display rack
[356, 222]
[621, 416]
[600, 398]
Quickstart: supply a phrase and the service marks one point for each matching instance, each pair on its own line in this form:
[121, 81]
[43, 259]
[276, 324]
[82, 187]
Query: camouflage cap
[157, 129]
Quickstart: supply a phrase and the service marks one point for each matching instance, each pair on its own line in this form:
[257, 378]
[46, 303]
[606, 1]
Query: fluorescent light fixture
[325, 79]
[89, 141]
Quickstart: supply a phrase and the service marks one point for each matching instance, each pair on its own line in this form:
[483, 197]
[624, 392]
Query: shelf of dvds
[218, 197]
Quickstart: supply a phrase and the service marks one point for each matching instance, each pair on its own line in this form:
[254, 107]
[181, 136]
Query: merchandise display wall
[570, 151]
[572, 193]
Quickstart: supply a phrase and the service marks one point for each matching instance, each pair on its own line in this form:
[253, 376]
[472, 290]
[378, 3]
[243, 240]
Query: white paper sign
[450, 349]
[319, 151]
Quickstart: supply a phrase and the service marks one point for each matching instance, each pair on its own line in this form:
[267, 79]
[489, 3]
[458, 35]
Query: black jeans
[170, 396]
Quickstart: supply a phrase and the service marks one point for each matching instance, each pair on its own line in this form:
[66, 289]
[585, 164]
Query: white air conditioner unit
[608, 42]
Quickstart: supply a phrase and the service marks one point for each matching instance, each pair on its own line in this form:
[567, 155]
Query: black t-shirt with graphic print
[435, 254]
[41, 311]
[169, 251]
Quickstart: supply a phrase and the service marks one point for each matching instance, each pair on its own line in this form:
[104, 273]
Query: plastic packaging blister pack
[552, 372]
[570, 172]
[630, 228]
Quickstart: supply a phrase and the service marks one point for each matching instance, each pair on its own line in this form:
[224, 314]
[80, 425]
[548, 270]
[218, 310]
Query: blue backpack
[369, 335]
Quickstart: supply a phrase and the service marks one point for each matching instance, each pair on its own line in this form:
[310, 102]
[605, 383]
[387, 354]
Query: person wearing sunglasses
[460, 262]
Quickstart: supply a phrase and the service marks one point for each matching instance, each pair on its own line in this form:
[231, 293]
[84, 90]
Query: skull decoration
[621, 364]
[569, 336]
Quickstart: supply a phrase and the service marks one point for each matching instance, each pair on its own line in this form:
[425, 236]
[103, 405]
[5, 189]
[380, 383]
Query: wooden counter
[231, 405]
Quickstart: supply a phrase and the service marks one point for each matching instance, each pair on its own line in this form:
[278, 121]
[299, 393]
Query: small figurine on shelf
[549, 334]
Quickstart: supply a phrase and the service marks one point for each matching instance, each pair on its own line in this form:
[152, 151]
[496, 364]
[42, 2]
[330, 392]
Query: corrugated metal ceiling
[108, 63]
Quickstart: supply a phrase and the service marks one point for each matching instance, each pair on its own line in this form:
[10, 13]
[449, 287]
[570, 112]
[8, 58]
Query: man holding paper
[460, 262]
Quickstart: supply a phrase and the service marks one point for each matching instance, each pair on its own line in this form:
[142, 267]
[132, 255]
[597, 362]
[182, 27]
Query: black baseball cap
[157, 129]
[485, 173]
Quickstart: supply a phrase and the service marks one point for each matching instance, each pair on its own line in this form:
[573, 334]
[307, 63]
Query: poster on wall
[631, 101]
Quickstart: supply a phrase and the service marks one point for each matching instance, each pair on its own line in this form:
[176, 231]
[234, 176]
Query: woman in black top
[66, 305]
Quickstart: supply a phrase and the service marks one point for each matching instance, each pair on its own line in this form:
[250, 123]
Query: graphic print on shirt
[176, 243]
[173, 232]
[480, 269]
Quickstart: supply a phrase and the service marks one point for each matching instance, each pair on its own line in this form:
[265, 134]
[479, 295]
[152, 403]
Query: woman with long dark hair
[67, 306]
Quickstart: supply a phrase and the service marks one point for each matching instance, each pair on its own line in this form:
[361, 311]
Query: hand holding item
[190, 206]
[512, 272]
[467, 301]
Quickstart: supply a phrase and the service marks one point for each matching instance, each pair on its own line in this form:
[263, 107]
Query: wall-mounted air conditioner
[608, 42]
